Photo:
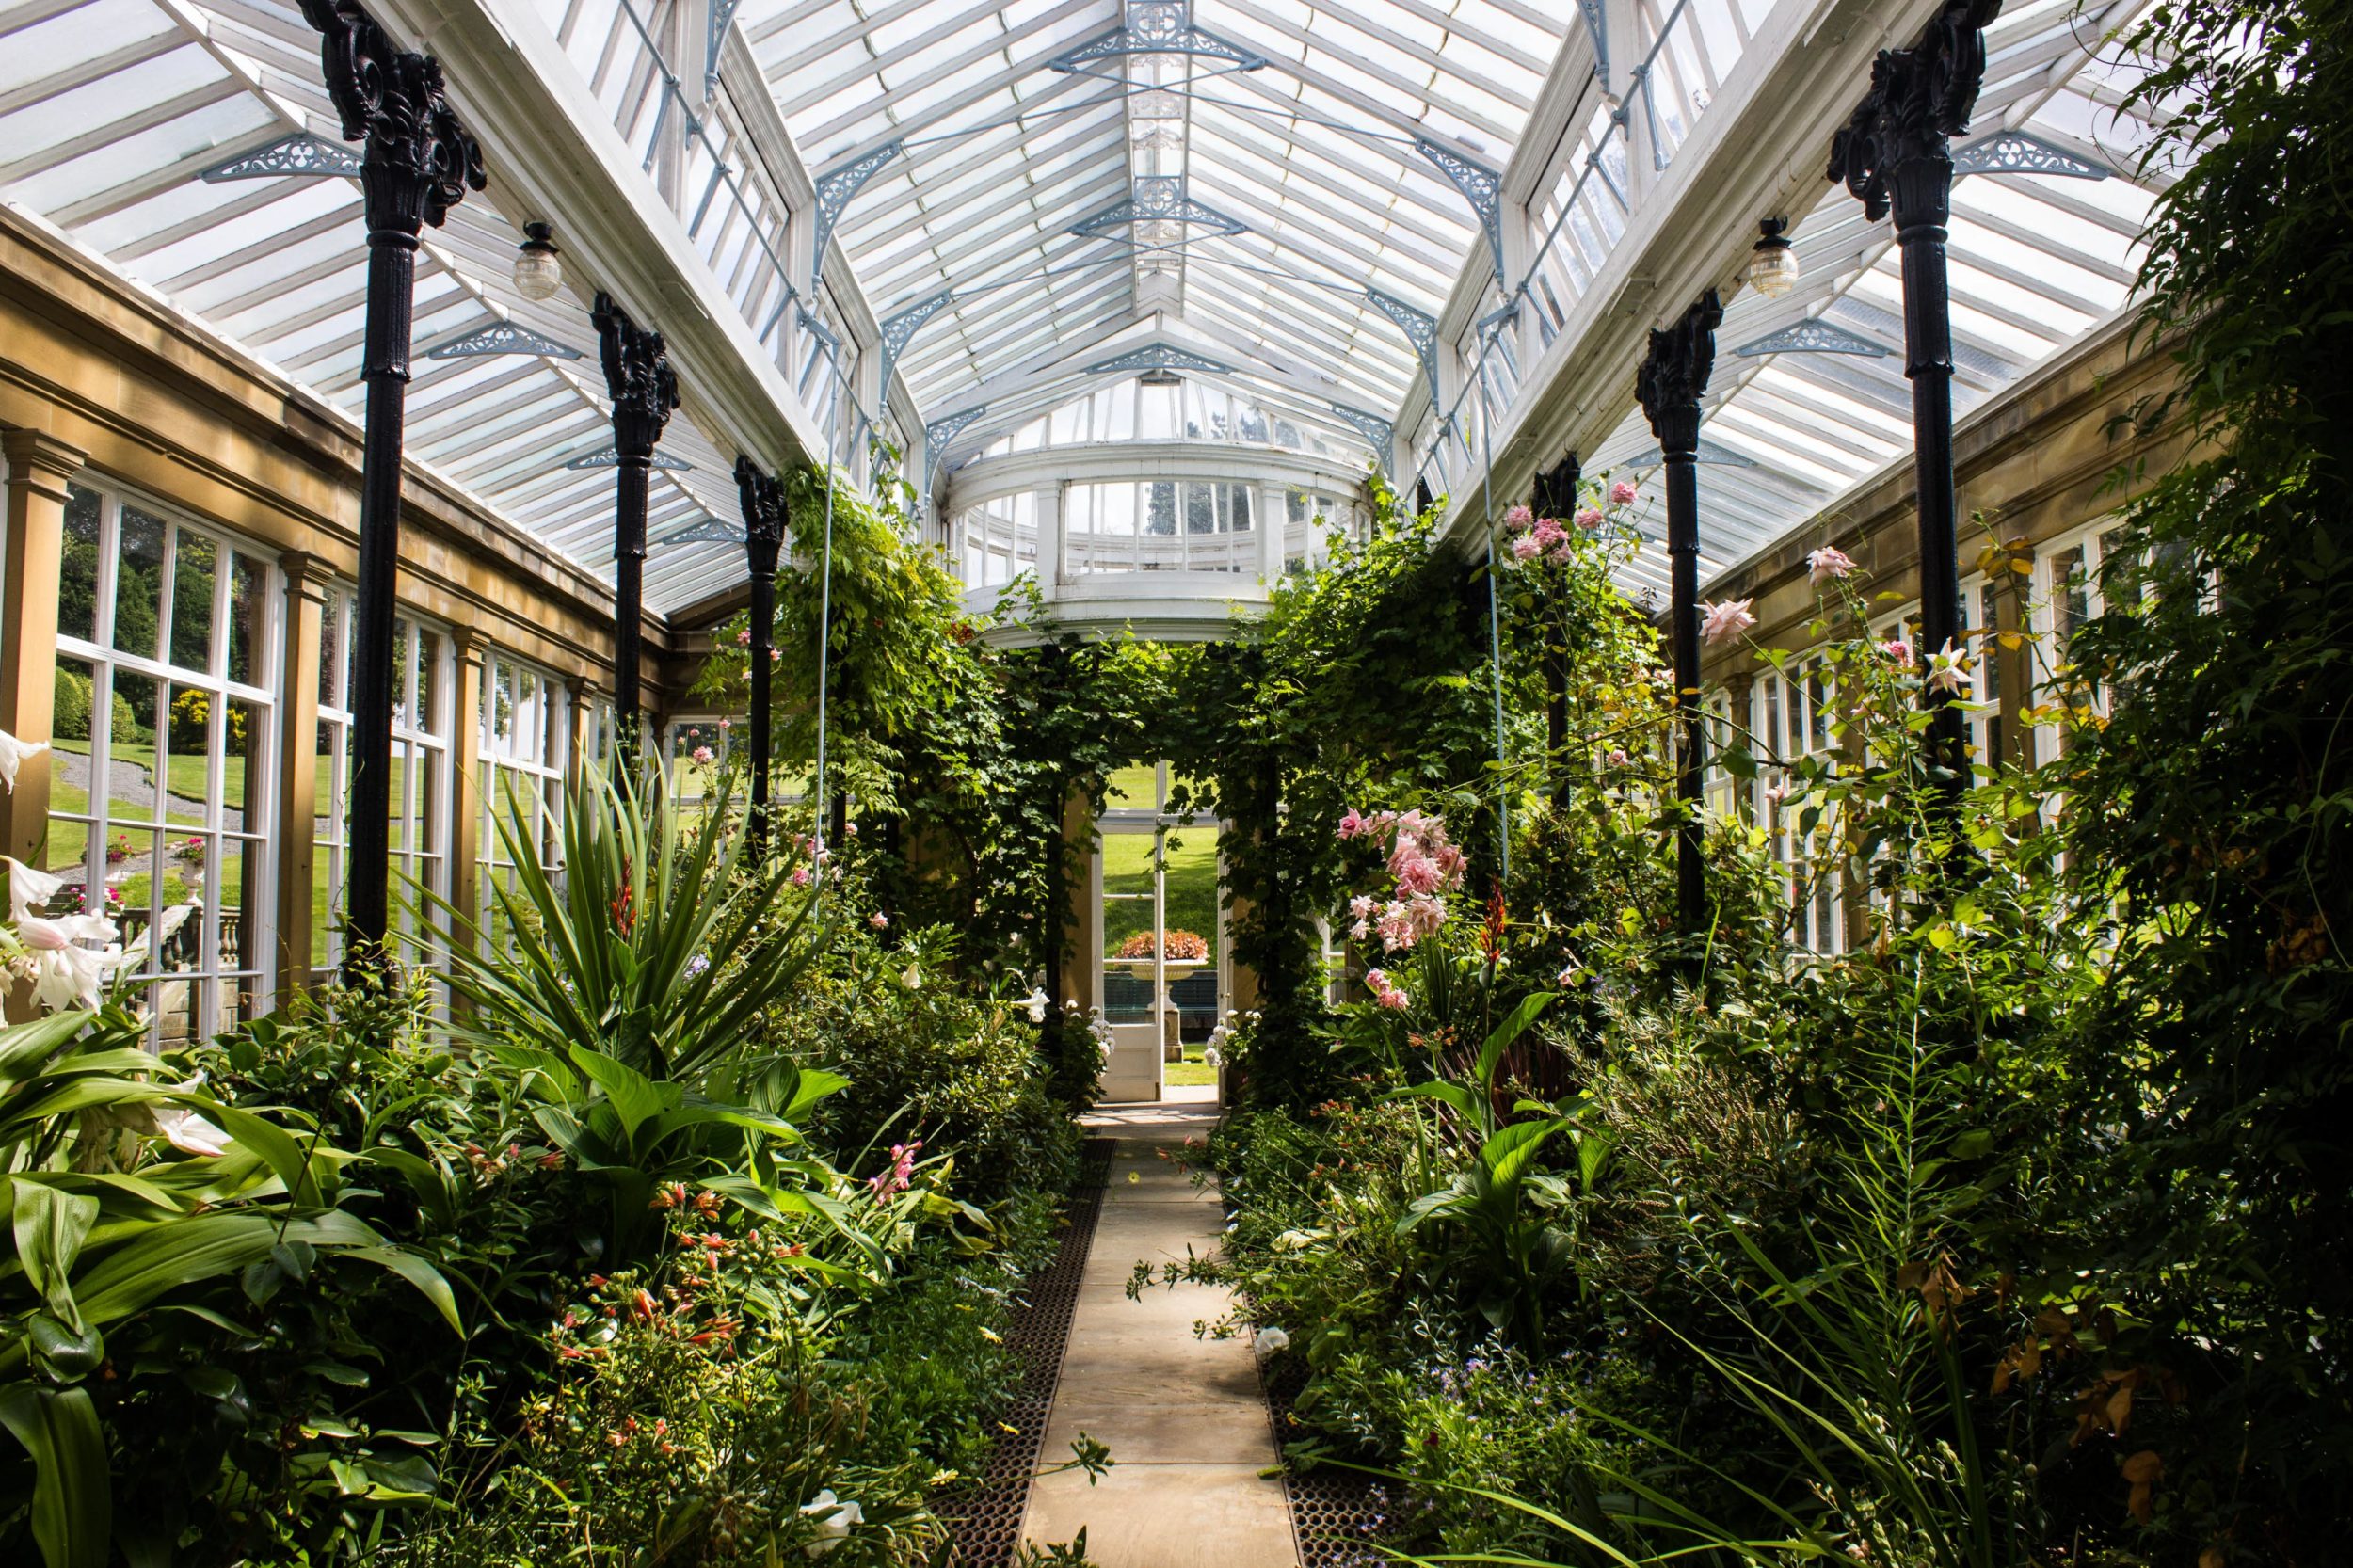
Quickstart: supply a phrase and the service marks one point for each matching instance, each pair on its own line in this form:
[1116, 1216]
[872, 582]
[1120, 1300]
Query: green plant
[109, 1231]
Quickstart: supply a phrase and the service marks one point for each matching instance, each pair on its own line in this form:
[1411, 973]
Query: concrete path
[1183, 1416]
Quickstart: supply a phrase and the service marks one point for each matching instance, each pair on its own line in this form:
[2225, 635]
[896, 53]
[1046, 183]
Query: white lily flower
[1037, 1002]
[28, 889]
[189, 1132]
[833, 1518]
[65, 971]
[12, 755]
[1272, 1341]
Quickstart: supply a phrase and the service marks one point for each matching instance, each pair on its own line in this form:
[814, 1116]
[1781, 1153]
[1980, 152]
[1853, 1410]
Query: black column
[764, 517]
[644, 390]
[418, 163]
[1668, 387]
[1894, 153]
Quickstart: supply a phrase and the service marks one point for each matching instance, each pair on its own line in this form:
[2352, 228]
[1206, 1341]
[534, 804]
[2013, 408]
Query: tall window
[419, 828]
[165, 749]
[526, 727]
[1792, 717]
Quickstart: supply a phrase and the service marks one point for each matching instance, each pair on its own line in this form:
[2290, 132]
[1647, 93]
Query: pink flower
[1589, 517]
[1425, 913]
[1898, 648]
[1397, 931]
[1351, 825]
[775, 654]
[1376, 980]
[1518, 517]
[1617, 759]
[1450, 863]
[1360, 930]
[1566, 977]
[1827, 565]
[878, 920]
[1776, 794]
[703, 755]
[1394, 1000]
[1525, 547]
[896, 1176]
[744, 639]
[1622, 492]
[1361, 906]
[1415, 872]
[1383, 992]
[725, 725]
[800, 876]
[1721, 623]
[1548, 534]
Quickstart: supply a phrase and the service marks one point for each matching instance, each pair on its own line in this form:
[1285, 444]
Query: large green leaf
[72, 1507]
[1511, 1028]
[50, 1227]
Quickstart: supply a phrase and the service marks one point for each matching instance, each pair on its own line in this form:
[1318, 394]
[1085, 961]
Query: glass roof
[1250, 166]
[1275, 199]
[1809, 400]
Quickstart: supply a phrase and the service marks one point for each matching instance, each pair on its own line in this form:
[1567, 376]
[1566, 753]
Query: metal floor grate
[1336, 1513]
[983, 1516]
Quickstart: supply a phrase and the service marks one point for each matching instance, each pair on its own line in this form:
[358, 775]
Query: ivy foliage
[2216, 779]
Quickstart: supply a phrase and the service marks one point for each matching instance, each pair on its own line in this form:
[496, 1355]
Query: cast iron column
[764, 514]
[1894, 152]
[644, 390]
[1668, 387]
[417, 164]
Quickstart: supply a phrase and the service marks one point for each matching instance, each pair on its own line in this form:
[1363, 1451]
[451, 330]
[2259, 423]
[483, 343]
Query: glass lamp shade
[538, 270]
[1772, 264]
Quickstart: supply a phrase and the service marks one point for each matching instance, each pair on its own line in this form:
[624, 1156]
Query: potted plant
[1180, 953]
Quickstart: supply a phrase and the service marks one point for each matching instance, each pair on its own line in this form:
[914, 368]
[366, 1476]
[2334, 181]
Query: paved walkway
[1183, 1416]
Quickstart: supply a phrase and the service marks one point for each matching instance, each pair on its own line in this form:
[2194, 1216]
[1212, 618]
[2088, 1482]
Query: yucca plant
[656, 943]
[627, 987]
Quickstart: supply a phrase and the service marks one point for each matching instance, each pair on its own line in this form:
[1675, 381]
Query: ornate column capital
[638, 376]
[1919, 98]
[40, 461]
[1676, 372]
[764, 515]
[419, 162]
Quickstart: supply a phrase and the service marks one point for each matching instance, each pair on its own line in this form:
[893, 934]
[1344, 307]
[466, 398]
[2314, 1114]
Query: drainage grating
[984, 1517]
[1336, 1513]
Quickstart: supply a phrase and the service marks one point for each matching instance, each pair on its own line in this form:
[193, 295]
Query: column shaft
[40, 468]
[308, 580]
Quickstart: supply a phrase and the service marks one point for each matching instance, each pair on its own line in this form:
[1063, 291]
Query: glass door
[1161, 934]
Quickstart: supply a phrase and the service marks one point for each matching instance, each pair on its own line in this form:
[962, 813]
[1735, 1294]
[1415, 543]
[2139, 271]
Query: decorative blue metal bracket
[706, 531]
[1420, 329]
[2018, 153]
[500, 337]
[722, 16]
[1378, 431]
[1160, 199]
[300, 155]
[1813, 336]
[1157, 356]
[939, 432]
[835, 187]
[1597, 23]
[608, 456]
[1156, 27]
[1482, 186]
[900, 329]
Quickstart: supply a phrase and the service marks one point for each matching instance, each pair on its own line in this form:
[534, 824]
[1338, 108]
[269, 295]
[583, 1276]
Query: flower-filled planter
[1181, 953]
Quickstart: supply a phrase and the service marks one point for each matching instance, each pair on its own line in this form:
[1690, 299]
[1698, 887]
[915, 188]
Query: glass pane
[77, 590]
[138, 582]
[131, 777]
[404, 715]
[248, 625]
[427, 715]
[70, 776]
[195, 578]
[331, 651]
